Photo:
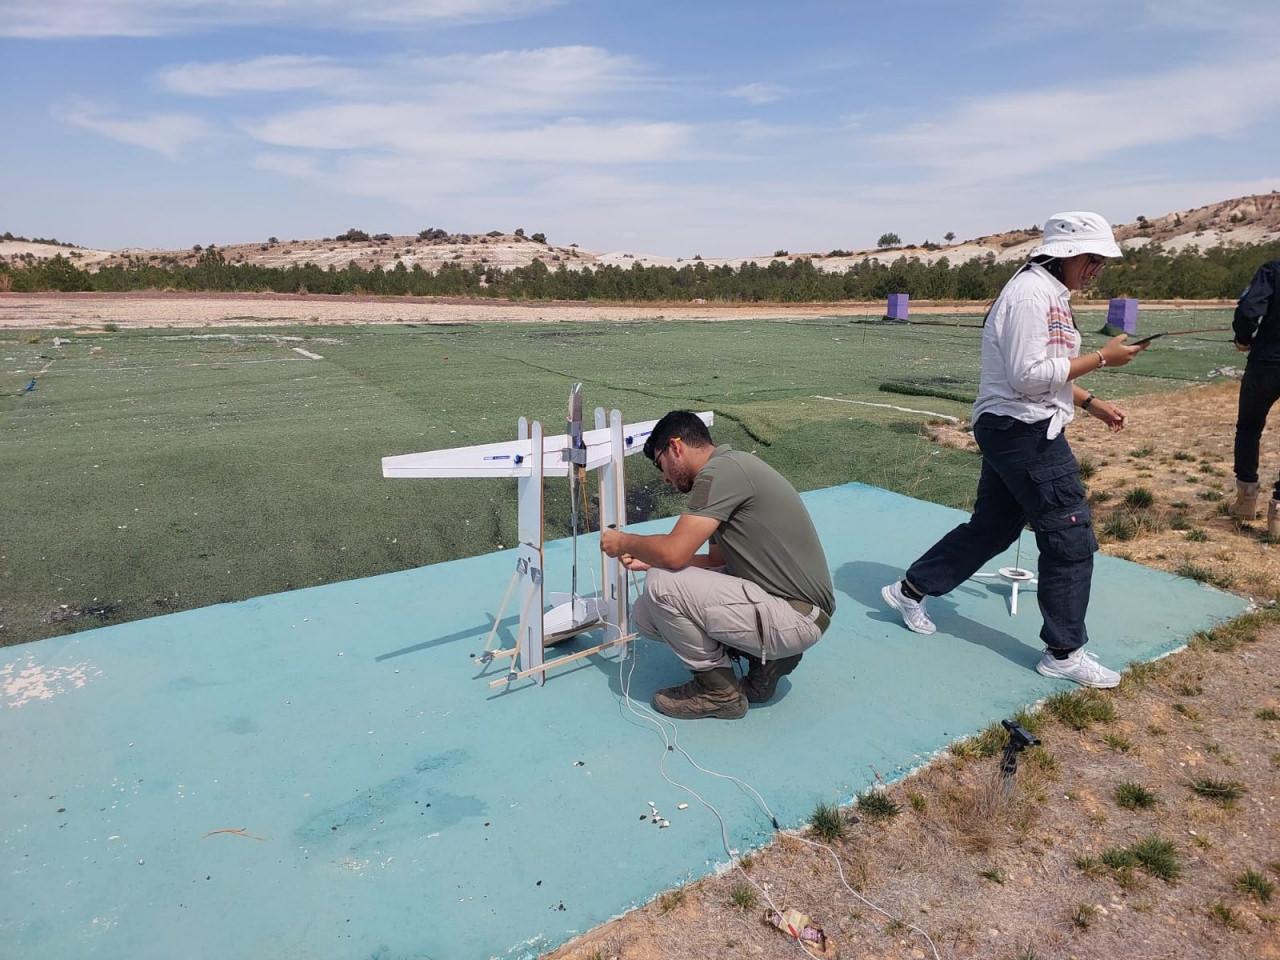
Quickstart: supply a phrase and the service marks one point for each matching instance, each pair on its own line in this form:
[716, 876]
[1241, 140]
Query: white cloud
[411, 129]
[166, 133]
[260, 75]
[539, 81]
[524, 106]
[759, 93]
[1222, 16]
[549, 78]
[290, 164]
[145, 18]
[995, 137]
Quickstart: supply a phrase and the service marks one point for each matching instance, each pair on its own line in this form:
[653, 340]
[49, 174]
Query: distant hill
[1244, 220]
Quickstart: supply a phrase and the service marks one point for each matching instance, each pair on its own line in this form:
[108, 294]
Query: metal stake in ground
[1019, 739]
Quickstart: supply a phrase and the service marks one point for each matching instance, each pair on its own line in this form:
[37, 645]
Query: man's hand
[632, 564]
[671, 551]
[1242, 347]
[611, 542]
[1108, 413]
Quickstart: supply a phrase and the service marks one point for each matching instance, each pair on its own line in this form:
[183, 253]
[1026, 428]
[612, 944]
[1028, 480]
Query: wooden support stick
[550, 664]
[502, 609]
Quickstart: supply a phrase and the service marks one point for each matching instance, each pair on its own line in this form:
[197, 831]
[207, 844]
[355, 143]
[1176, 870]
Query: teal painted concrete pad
[326, 774]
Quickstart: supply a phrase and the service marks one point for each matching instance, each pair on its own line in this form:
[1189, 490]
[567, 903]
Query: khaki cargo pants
[700, 612]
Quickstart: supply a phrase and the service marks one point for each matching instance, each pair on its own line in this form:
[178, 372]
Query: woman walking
[1030, 363]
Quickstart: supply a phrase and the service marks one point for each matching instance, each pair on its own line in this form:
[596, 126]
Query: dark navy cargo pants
[1026, 478]
[1259, 391]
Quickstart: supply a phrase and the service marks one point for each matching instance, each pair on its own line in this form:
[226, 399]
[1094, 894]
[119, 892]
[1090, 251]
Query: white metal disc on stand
[1016, 576]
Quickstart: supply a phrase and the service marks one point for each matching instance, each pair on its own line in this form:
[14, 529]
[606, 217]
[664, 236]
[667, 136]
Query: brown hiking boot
[761, 681]
[1246, 505]
[711, 693]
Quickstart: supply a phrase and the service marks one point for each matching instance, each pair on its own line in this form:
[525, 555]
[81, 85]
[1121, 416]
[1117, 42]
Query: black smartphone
[1147, 339]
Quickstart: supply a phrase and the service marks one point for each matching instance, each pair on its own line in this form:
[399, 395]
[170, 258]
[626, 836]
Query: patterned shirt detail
[1064, 339]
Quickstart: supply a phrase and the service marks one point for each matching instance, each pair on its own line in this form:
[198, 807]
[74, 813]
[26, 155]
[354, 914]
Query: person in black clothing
[1257, 333]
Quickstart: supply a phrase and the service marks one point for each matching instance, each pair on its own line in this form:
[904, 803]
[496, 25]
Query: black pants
[1259, 390]
[1026, 478]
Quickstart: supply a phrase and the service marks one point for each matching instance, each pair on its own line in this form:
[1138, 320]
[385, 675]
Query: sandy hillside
[1252, 219]
[24, 250]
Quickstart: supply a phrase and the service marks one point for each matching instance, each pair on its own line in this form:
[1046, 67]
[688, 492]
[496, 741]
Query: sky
[716, 128]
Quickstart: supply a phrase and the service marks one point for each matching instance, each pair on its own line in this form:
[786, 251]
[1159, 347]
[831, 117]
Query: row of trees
[1149, 272]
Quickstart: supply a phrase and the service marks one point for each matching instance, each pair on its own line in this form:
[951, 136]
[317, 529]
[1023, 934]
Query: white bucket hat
[1078, 231]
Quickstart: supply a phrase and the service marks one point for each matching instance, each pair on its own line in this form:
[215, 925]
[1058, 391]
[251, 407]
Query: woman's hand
[1117, 353]
[1109, 413]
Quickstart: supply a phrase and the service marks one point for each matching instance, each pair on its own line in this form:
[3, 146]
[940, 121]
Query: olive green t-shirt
[765, 534]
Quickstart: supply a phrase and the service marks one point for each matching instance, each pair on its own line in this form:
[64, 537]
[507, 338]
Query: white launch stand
[530, 459]
[1015, 576]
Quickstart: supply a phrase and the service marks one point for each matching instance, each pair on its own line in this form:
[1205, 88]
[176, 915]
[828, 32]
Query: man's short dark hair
[678, 423]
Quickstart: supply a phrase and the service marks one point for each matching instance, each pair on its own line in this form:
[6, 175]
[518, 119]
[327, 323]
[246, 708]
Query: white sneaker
[912, 611]
[1080, 667]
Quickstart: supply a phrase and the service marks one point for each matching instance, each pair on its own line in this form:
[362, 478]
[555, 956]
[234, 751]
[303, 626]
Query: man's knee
[657, 581]
[642, 615]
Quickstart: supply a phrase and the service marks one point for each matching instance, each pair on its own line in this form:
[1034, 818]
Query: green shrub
[876, 805]
[1139, 498]
[826, 822]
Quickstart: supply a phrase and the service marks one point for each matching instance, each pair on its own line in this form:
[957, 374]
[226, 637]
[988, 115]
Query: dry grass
[1060, 864]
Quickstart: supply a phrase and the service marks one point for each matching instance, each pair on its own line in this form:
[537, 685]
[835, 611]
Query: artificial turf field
[151, 471]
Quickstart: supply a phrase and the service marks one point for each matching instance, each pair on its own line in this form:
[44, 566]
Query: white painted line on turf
[889, 406]
[308, 354]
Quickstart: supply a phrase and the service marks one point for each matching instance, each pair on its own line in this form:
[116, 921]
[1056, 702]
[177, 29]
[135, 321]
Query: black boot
[711, 693]
[761, 681]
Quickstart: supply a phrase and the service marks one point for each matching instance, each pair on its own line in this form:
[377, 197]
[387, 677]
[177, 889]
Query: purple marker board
[1122, 313]
[897, 308]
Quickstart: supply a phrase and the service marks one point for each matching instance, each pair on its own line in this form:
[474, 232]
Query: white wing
[510, 458]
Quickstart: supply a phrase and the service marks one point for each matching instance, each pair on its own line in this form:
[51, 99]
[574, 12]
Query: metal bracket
[527, 569]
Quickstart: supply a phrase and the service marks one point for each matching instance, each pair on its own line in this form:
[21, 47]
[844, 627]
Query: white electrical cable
[795, 835]
[671, 744]
[734, 858]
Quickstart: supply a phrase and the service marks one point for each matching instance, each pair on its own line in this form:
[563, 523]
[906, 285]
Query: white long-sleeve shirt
[1027, 346]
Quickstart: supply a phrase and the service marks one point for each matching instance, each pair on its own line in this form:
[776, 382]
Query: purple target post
[897, 307]
[1122, 313]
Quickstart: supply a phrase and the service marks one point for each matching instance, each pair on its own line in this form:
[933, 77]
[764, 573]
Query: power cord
[671, 744]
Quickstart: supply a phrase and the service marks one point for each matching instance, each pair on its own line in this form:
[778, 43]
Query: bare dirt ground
[1184, 756]
[1051, 871]
[169, 309]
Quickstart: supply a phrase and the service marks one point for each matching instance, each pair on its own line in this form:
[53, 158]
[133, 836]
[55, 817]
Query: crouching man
[762, 591]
